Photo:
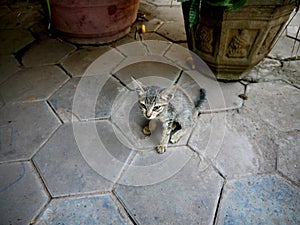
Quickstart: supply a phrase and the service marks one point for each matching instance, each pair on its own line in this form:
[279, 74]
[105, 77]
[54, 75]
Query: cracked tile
[24, 128]
[22, 194]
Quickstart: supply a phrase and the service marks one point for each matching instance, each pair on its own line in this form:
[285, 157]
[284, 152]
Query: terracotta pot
[93, 21]
[233, 42]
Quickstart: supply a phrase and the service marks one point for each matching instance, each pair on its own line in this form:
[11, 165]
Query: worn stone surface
[99, 209]
[14, 40]
[24, 128]
[33, 84]
[8, 66]
[39, 54]
[220, 96]
[155, 71]
[157, 47]
[77, 62]
[288, 155]
[22, 194]
[277, 103]
[173, 31]
[188, 197]
[61, 153]
[261, 200]
[284, 48]
[239, 144]
[93, 100]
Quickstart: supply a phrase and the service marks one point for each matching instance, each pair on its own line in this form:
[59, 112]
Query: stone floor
[71, 146]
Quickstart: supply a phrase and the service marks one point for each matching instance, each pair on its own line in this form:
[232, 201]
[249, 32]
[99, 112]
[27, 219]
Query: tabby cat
[171, 107]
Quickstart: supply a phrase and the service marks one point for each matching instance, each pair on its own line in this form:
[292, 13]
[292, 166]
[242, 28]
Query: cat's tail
[201, 99]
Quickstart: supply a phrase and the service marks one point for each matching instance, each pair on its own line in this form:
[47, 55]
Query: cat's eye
[156, 107]
[143, 106]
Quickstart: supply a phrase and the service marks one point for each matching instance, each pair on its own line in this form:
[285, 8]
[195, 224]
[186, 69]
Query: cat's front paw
[147, 131]
[161, 148]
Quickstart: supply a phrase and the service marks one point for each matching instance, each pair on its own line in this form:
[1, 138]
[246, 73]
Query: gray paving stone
[283, 49]
[77, 62]
[22, 194]
[67, 154]
[288, 155]
[220, 96]
[99, 209]
[277, 103]
[169, 14]
[157, 46]
[154, 67]
[39, 54]
[92, 101]
[8, 66]
[261, 200]
[179, 55]
[33, 84]
[24, 128]
[135, 48]
[105, 63]
[173, 31]
[14, 40]
[188, 197]
[239, 144]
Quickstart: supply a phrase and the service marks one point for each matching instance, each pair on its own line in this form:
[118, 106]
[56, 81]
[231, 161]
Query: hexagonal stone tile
[220, 96]
[22, 194]
[77, 62]
[94, 103]
[39, 54]
[24, 128]
[72, 153]
[157, 71]
[105, 63]
[190, 196]
[277, 103]
[8, 66]
[33, 84]
[173, 31]
[99, 209]
[239, 144]
[14, 40]
[288, 155]
[261, 200]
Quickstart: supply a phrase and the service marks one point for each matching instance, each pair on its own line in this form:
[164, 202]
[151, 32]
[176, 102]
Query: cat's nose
[148, 115]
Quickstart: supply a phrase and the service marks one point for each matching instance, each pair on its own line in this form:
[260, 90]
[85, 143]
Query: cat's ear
[168, 93]
[138, 86]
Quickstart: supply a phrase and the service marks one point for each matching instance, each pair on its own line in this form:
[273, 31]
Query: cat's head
[152, 99]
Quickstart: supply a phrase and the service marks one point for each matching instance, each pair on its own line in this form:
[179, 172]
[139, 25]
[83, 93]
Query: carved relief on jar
[238, 46]
[204, 39]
